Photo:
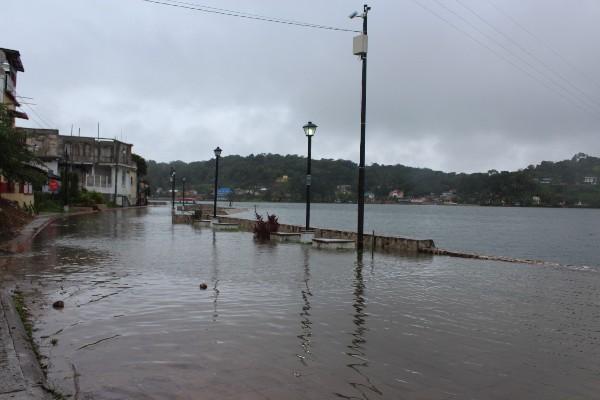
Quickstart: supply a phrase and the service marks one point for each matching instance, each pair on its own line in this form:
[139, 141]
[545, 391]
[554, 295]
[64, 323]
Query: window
[122, 178]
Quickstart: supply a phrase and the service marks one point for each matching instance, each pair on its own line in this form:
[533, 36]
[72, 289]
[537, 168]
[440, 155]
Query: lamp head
[310, 129]
[353, 15]
[218, 152]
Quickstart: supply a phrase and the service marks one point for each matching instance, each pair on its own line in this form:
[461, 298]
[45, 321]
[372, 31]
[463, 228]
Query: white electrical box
[360, 45]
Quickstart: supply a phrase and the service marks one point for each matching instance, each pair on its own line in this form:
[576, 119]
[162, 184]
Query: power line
[497, 54]
[529, 53]
[543, 42]
[518, 57]
[231, 13]
[48, 125]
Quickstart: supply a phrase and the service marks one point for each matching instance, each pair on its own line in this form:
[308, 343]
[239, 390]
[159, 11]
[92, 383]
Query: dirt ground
[11, 220]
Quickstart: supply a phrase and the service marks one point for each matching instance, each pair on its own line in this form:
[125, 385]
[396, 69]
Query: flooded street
[285, 321]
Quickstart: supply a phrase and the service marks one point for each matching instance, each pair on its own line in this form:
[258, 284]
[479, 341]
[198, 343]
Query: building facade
[10, 64]
[102, 165]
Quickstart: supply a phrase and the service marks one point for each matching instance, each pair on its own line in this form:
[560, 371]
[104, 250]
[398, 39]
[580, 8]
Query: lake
[286, 321]
[566, 236]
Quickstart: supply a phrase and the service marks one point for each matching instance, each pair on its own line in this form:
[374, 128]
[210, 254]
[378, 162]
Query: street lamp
[183, 193]
[309, 130]
[217, 156]
[360, 49]
[172, 179]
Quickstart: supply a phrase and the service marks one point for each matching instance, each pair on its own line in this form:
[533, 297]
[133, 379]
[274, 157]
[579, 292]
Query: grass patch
[25, 315]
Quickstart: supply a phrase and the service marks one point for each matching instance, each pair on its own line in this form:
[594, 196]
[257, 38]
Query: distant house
[448, 196]
[396, 194]
[282, 179]
[370, 196]
[224, 193]
[536, 200]
[343, 189]
[590, 180]
[546, 181]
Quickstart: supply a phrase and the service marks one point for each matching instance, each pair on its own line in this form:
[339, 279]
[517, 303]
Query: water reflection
[305, 322]
[215, 277]
[356, 348]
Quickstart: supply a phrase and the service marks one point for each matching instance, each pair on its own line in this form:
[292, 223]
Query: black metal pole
[361, 166]
[183, 194]
[116, 170]
[216, 186]
[172, 189]
[66, 178]
[308, 182]
[172, 193]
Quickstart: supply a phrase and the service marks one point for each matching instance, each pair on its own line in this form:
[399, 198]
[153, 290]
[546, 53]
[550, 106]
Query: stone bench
[201, 222]
[285, 237]
[334, 244]
[225, 226]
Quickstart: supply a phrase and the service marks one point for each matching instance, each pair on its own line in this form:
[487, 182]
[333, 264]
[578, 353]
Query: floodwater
[285, 321]
[562, 235]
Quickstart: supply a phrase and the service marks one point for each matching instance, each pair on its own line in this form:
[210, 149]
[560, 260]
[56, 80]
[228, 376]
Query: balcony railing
[99, 181]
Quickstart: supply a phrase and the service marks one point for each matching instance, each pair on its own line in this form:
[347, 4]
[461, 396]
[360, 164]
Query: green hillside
[273, 177]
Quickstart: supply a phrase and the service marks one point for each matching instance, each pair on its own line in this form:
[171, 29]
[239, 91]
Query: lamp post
[183, 193]
[309, 130]
[217, 156]
[360, 49]
[172, 189]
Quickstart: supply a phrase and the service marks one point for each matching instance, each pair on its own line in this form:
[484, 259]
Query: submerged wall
[391, 243]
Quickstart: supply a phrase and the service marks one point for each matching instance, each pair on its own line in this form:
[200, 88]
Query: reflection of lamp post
[309, 131]
[183, 193]
[360, 49]
[172, 179]
[305, 323]
[217, 156]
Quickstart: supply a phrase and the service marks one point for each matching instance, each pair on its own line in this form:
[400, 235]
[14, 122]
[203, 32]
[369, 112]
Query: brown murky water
[289, 322]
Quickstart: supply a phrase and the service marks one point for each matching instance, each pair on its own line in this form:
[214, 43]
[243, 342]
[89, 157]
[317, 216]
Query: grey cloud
[178, 83]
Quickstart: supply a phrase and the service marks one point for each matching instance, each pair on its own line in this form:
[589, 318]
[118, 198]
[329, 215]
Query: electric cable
[231, 13]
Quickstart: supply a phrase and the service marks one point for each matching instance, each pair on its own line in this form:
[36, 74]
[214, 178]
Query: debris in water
[58, 304]
[203, 286]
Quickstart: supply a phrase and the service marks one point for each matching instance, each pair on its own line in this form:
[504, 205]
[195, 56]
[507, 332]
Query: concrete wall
[22, 199]
[386, 243]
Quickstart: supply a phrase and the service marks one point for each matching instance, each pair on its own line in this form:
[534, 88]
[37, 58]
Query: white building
[103, 165]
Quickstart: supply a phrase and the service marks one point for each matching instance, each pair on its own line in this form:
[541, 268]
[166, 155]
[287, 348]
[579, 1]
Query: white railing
[97, 181]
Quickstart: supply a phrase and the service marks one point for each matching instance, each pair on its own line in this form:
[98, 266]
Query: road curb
[27, 360]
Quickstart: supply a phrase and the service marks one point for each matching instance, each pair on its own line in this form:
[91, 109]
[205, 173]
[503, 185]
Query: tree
[17, 162]
[142, 167]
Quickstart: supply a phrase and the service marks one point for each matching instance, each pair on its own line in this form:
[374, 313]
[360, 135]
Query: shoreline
[168, 201]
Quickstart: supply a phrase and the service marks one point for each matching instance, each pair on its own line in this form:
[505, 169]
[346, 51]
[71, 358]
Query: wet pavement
[288, 321]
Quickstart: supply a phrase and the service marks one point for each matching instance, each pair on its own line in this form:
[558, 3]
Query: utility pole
[116, 147]
[360, 49]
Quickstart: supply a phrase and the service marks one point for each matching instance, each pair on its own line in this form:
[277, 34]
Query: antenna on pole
[98, 129]
[71, 129]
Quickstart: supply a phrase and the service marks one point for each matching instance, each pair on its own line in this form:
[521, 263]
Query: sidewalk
[20, 374]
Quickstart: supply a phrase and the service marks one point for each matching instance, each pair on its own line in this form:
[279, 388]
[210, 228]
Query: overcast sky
[456, 85]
